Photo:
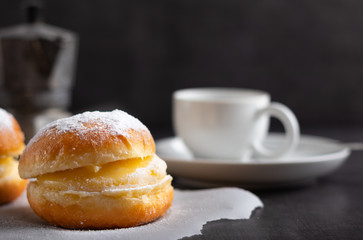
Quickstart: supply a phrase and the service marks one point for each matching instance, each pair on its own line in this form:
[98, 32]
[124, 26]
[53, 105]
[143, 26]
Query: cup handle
[291, 126]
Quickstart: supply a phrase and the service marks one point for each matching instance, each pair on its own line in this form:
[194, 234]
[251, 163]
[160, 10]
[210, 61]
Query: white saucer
[313, 158]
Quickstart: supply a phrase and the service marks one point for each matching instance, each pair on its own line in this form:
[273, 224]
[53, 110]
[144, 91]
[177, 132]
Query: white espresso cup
[231, 123]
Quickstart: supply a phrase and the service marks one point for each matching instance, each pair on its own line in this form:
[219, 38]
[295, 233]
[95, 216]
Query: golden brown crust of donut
[11, 139]
[102, 212]
[11, 187]
[56, 152]
[94, 139]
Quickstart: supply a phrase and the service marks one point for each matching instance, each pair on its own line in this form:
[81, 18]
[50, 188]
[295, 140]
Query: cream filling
[118, 190]
[118, 176]
[7, 164]
[8, 168]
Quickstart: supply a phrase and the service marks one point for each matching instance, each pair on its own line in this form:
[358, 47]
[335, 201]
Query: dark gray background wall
[134, 54]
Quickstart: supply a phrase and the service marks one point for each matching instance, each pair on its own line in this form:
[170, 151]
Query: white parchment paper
[189, 212]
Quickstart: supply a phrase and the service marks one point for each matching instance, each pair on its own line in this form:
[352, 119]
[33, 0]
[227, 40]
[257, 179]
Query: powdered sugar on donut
[5, 120]
[116, 122]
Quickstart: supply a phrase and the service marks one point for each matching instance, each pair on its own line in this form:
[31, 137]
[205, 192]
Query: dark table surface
[329, 208]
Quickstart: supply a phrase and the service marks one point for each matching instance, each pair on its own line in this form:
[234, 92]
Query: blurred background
[132, 55]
